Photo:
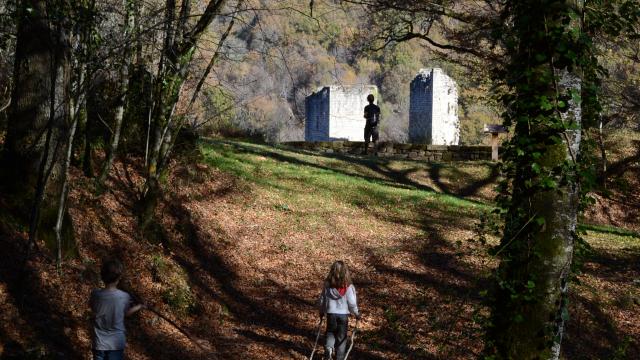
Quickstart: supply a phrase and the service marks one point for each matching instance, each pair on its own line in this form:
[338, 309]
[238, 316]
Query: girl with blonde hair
[337, 300]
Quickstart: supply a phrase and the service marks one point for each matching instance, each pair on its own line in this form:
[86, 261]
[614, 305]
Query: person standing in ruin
[372, 115]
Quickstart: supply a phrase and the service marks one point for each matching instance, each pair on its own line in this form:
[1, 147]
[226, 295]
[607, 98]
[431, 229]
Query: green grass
[602, 229]
[306, 205]
[292, 180]
[612, 241]
[293, 174]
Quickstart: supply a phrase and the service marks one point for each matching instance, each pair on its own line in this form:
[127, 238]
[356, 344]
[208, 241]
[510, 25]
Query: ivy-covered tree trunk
[541, 195]
[38, 117]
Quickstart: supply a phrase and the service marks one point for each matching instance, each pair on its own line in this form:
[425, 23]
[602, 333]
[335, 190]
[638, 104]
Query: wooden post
[495, 131]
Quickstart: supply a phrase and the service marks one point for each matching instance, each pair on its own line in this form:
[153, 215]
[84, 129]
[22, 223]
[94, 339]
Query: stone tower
[433, 111]
[337, 113]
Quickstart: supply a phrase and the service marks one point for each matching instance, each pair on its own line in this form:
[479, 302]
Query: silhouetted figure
[372, 114]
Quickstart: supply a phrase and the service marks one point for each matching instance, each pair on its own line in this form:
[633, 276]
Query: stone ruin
[337, 113]
[433, 110]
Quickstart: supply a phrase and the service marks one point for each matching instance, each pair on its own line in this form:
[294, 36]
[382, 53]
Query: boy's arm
[134, 309]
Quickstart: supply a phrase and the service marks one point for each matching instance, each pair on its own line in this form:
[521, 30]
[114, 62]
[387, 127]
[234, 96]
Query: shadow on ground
[381, 167]
[267, 313]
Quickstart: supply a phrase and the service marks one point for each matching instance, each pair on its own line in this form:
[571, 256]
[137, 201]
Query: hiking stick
[317, 338]
[353, 336]
[173, 323]
[178, 327]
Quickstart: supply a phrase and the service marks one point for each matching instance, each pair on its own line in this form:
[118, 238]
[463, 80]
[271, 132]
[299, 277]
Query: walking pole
[171, 322]
[317, 338]
[353, 336]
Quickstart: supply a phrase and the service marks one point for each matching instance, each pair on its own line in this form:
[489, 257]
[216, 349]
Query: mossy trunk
[173, 71]
[530, 305]
[530, 322]
[161, 133]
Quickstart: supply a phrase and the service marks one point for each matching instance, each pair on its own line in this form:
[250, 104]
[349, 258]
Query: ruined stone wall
[316, 127]
[421, 107]
[337, 112]
[346, 115]
[445, 128]
[424, 152]
[433, 109]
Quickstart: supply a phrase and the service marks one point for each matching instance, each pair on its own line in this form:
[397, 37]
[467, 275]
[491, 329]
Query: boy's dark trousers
[337, 325]
[108, 354]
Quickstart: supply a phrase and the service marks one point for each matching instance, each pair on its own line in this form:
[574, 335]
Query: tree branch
[191, 37]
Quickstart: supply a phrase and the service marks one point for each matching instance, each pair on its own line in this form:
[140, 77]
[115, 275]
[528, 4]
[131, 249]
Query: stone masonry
[433, 110]
[420, 152]
[336, 113]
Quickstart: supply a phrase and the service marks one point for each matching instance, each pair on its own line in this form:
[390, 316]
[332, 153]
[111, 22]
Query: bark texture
[179, 45]
[124, 88]
[530, 307]
[38, 127]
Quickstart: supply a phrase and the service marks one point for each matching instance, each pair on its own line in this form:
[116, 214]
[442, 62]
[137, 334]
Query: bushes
[176, 291]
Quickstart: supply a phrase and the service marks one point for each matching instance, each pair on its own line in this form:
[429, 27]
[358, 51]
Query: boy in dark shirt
[372, 114]
[109, 306]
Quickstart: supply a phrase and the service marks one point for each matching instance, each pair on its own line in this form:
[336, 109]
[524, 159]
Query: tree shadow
[160, 346]
[620, 166]
[466, 191]
[34, 306]
[447, 282]
[382, 167]
[267, 312]
[592, 334]
[388, 176]
[389, 179]
[616, 267]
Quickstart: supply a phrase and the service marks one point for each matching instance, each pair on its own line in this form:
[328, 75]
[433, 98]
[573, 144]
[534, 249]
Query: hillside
[286, 54]
[249, 232]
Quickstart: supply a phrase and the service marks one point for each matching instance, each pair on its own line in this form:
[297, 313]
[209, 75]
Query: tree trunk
[172, 73]
[87, 158]
[532, 325]
[62, 206]
[530, 304]
[39, 116]
[115, 137]
[124, 88]
[603, 156]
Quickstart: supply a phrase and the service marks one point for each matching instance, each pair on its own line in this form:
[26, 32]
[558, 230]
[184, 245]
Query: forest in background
[107, 101]
[281, 51]
[277, 54]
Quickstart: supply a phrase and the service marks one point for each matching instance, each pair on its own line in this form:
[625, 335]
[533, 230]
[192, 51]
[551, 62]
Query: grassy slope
[418, 214]
[250, 235]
